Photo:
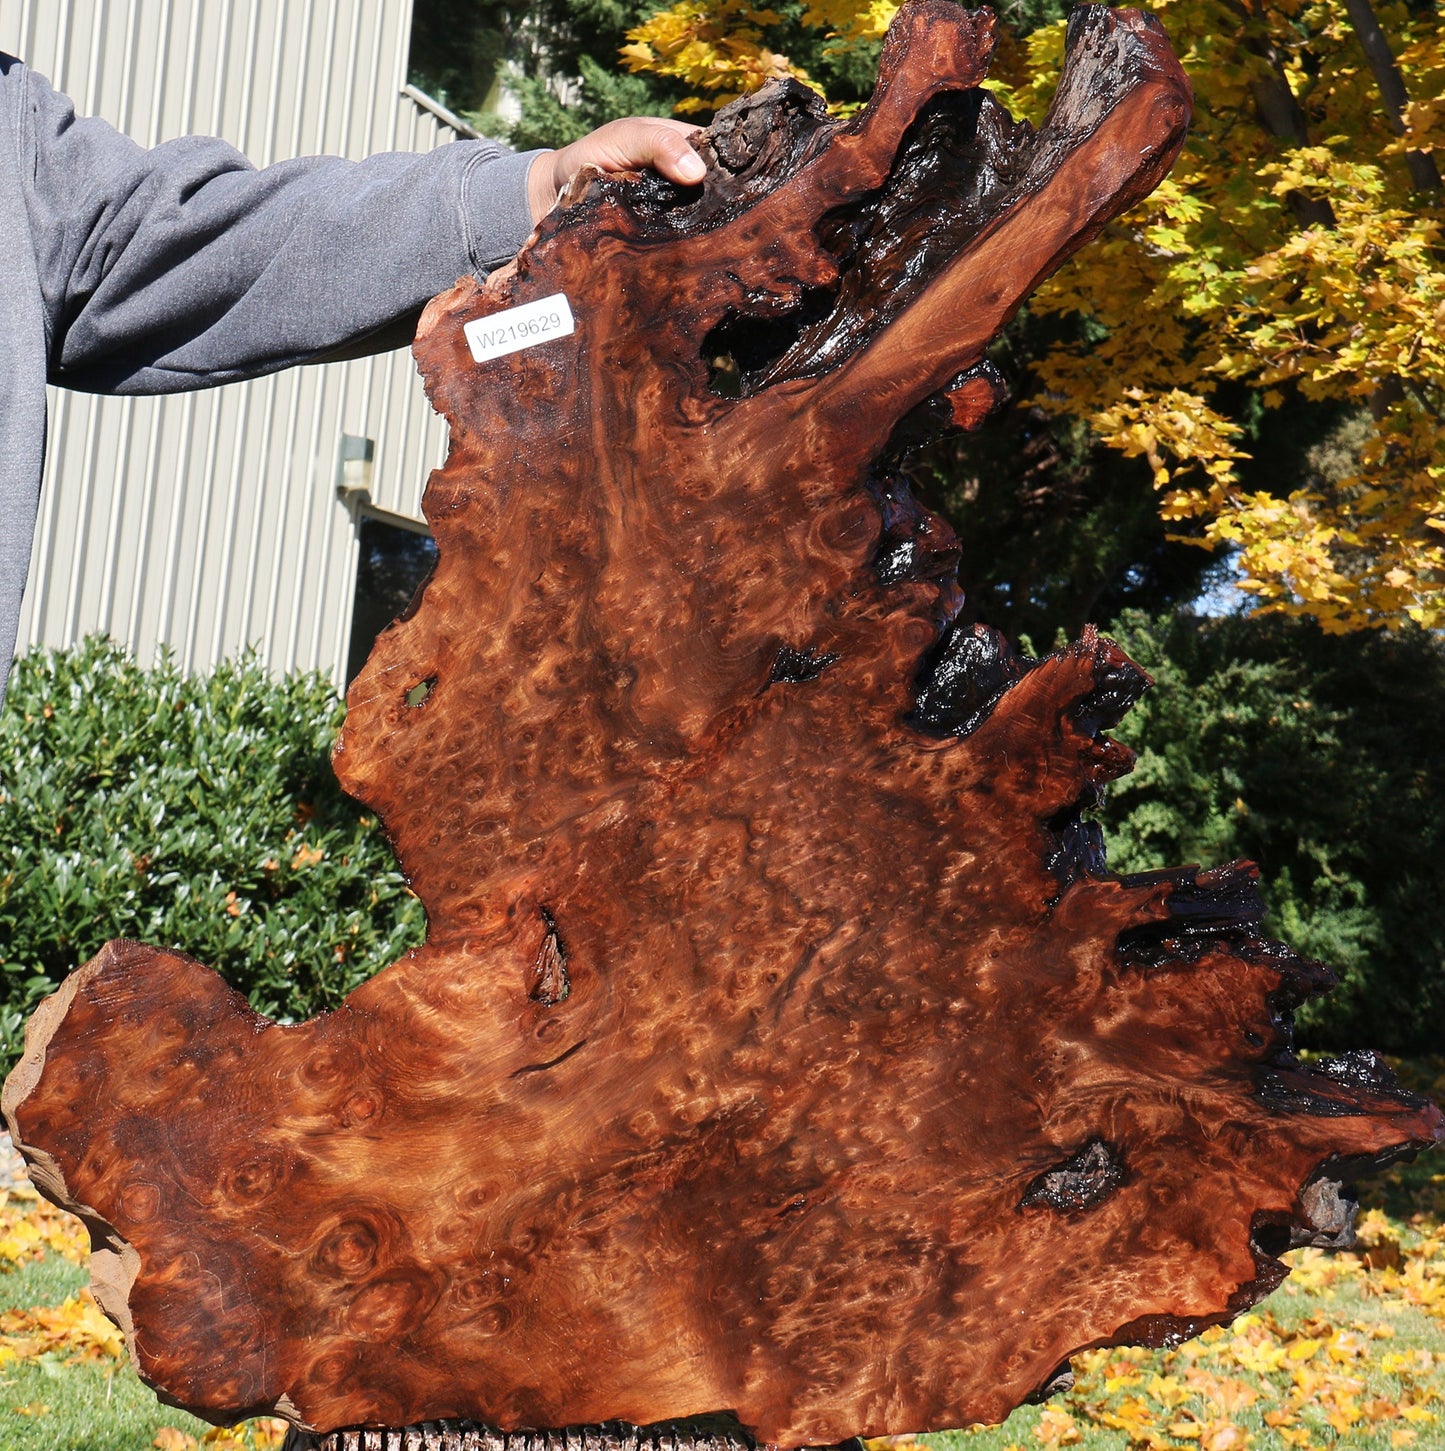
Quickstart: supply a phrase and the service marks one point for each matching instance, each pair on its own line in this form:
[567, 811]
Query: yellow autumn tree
[1295, 251]
[717, 47]
[725, 48]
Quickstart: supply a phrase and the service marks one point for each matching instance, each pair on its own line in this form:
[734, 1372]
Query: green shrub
[1319, 758]
[196, 812]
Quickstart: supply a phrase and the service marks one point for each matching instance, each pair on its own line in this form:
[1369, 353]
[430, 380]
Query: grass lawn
[1348, 1353]
[65, 1382]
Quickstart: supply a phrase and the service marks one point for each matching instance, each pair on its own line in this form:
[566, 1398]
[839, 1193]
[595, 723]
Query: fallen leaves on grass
[1389, 1264]
[31, 1227]
[254, 1435]
[1307, 1384]
[265, 1434]
[1057, 1428]
[75, 1330]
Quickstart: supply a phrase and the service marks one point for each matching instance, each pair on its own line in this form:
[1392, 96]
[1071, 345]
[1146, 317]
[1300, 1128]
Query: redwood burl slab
[781, 1044]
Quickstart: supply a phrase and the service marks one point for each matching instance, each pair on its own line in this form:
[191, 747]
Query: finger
[623, 145]
[675, 158]
[637, 141]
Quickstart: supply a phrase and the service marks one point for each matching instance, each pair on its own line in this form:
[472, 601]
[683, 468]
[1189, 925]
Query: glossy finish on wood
[781, 1044]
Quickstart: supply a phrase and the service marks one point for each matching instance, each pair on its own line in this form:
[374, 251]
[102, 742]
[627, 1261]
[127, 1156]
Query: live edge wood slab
[781, 1045]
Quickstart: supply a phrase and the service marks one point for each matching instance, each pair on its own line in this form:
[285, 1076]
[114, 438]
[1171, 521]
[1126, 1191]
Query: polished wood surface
[781, 1044]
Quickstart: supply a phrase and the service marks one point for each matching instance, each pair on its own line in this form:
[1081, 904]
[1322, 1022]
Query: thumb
[675, 158]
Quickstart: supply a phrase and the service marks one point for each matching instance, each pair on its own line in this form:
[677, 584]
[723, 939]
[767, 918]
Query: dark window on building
[394, 562]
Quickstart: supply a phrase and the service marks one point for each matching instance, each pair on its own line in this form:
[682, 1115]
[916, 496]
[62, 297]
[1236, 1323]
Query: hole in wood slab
[420, 693]
[1060, 1381]
[1271, 1240]
[1082, 1181]
[742, 347]
[1325, 1219]
[960, 156]
[797, 667]
[550, 981]
[958, 160]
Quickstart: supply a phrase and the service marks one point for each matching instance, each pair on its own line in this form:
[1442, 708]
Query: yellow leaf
[31, 1226]
[168, 1438]
[1223, 1436]
[1166, 1390]
[1057, 1428]
[76, 1327]
[1132, 1416]
[268, 1433]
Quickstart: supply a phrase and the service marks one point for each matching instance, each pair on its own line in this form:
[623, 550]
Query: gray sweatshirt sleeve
[185, 266]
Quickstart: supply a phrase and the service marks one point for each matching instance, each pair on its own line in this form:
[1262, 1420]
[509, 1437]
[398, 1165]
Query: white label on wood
[520, 327]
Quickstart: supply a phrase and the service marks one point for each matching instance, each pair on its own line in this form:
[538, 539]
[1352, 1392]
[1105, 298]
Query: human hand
[626, 145]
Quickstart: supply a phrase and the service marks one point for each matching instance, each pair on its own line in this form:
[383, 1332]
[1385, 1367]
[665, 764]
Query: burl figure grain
[780, 1044]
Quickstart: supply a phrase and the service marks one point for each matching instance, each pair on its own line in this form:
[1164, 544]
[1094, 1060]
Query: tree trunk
[781, 1045]
[1279, 112]
[1423, 171]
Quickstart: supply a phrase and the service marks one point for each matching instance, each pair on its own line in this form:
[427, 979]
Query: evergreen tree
[560, 59]
[1317, 757]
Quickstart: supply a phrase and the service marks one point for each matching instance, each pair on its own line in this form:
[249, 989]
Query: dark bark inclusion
[1082, 1181]
[798, 667]
[551, 983]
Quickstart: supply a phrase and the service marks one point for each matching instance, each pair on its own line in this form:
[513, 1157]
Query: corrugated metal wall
[211, 520]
